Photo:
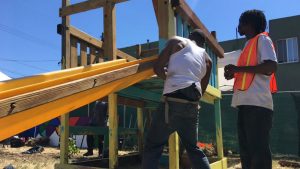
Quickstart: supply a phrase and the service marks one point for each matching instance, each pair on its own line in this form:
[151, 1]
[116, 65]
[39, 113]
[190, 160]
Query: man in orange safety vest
[252, 91]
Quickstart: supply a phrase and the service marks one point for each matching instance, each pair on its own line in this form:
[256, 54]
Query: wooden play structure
[99, 70]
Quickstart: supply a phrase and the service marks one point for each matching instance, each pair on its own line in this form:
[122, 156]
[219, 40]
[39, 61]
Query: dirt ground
[50, 156]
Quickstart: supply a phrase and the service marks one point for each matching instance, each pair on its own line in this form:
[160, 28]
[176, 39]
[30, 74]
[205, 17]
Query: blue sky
[30, 45]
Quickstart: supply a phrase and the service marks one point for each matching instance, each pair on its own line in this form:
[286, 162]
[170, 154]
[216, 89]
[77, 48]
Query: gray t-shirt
[258, 93]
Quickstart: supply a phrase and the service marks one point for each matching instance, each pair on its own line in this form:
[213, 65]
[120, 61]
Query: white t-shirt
[258, 94]
[186, 67]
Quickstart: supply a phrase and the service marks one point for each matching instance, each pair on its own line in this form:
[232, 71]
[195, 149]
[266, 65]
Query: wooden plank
[113, 131]
[27, 84]
[93, 55]
[189, 16]
[74, 55]
[36, 98]
[83, 53]
[27, 119]
[140, 129]
[84, 6]
[124, 55]
[66, 55]
[85, 37]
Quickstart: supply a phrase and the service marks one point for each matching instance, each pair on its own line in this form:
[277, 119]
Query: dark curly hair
[256, 18]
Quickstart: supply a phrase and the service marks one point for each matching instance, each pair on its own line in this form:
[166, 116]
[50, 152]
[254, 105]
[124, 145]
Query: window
[287, 50]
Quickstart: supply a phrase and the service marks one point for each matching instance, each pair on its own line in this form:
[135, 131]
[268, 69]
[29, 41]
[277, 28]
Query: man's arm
[173, 46]
[267, 68]
[205, 80]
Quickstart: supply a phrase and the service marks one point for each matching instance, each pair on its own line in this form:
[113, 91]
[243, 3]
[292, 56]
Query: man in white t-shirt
[186, 68]
[255, 104]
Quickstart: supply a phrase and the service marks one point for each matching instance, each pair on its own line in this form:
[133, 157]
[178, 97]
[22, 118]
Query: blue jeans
[183, 118]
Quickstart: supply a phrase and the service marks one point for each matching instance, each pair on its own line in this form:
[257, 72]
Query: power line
[26, 36]
[14, 72]
[21, 60]
[32, 66]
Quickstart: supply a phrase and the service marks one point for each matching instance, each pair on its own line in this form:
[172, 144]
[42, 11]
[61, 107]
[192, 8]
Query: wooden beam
[138, 93]
[92, 130]
[69, 166]
[113, 131]
[189, 16]
[36, 98]
[84, 6]
[124, 55]
[27, 119]
[85, 37]
[97, 43]
[155, 6]
[127, 101]
[153, 51]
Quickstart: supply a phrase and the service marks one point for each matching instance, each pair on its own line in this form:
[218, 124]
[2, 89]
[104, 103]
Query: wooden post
[83, 53]
[110, 48]
[66, 58]
[113, 131]
[140, 129]
[166, 22]
[110, 51]
[74, 56]
[218, 123]
[138, 51]
[92, 55]
[218, 115]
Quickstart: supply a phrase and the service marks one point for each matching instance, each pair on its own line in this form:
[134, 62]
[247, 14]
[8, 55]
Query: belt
[165, 99]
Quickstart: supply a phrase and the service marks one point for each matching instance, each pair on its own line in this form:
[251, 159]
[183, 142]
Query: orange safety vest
[248, 57]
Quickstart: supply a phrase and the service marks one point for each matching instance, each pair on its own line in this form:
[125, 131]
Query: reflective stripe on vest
[248, 57]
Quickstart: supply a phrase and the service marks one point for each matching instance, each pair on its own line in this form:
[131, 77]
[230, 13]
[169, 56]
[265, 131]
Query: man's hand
[229, 71]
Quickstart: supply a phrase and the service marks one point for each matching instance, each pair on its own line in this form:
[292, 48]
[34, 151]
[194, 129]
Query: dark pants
[183, 118]
[90, 143]
[254, 125]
